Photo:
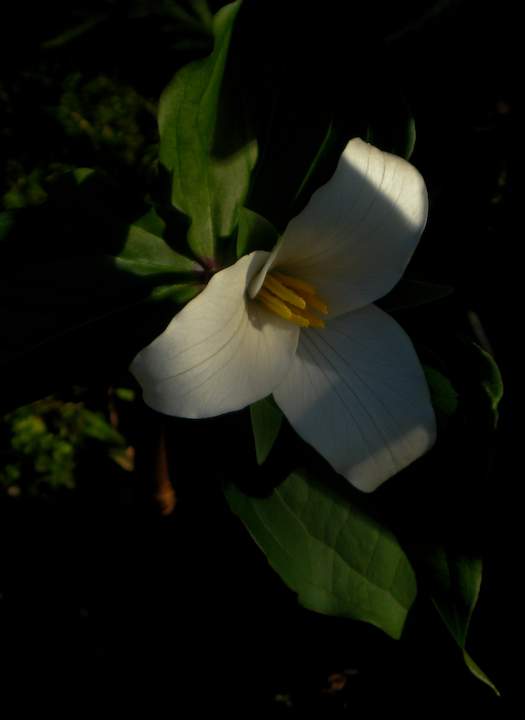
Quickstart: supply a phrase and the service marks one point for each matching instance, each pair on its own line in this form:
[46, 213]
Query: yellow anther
[299, 319]
[282, 292]
[315, 303]
[299, 285]
[278, 296]
[312, 319]
[274, 304]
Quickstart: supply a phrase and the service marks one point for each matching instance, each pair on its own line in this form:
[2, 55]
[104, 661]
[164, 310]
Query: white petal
[221, 353]
[358, 395]
[356, 235]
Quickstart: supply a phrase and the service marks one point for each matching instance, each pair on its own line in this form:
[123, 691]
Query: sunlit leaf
[206, 146]
[333, 553]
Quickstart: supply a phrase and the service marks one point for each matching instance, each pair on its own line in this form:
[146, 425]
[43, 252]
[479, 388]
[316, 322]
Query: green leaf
[206, 146]
[266, 423]
[463, 577]
[255, 233]
[478, 672]
[444, 397]
[491, 381]
[456, 582]
[145, 254]
[333, 553]
[411, 293]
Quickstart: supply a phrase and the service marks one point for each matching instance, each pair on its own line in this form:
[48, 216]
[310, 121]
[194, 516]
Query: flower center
[290, 298]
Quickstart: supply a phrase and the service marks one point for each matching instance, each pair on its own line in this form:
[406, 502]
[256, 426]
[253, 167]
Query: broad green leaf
[145, 253]
[206, 146]
[255, 233]
[410, 293]
[333, 553]
[266, 423]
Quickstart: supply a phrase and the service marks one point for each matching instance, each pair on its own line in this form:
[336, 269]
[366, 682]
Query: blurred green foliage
[41, 444]
[112, 119]
[65, 106]
[101, 123]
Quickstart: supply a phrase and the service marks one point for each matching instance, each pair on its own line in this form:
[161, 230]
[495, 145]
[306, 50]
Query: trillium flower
[299, 323]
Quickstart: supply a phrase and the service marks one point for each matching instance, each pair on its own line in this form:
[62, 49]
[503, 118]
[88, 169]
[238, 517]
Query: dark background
[105, 600]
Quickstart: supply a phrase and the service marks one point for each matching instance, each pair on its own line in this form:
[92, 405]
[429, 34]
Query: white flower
[353, 389]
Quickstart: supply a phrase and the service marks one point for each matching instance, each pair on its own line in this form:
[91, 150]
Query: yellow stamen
[299, 319]
[278, 296]
[283, 293]
[312, 319]
[274, 304]
[315, 303]
[299, 285]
